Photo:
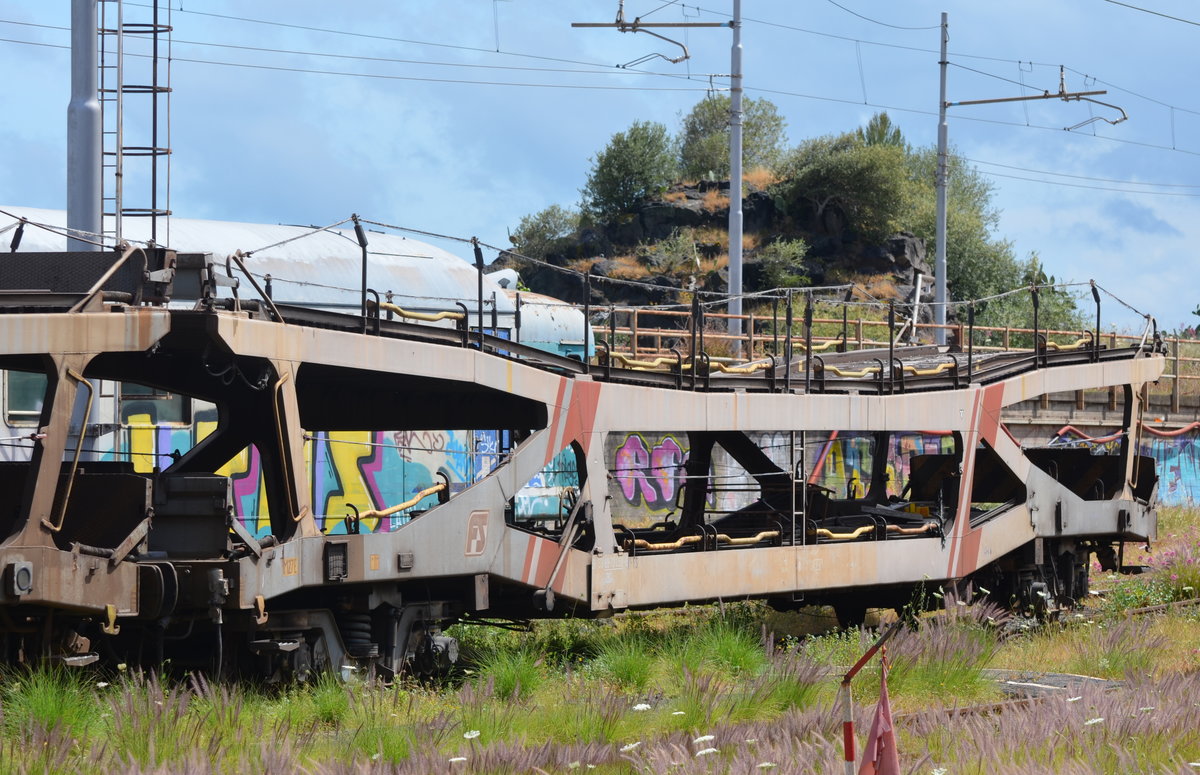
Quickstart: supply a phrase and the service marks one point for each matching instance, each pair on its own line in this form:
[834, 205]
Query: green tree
[1058, 308]
[539, 234]
[881, 131]
[839, 181]
[978, 264]
[636, 164]
[704, 137]
[783, 264]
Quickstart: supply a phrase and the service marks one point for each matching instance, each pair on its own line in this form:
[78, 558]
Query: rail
[645, 336]
[789, 337]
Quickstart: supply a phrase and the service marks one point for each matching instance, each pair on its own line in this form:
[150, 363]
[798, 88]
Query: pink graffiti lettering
[666, 468]
[651, 476]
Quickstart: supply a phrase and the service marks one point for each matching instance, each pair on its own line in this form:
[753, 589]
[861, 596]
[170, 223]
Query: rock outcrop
[834, 255]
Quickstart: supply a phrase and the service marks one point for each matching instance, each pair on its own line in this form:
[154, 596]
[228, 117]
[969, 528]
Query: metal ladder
[151, 167]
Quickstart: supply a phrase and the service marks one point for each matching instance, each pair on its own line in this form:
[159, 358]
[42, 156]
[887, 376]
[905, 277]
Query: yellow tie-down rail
[861, 531]
[428, 317]
[641, 543]
[664, 363]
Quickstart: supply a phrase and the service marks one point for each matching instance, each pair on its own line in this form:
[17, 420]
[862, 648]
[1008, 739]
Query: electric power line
[1155, 13]
[578, 86]
[388, 77]
[612, 68]
[596, 69]
[876, 21]
[977, 119]
[1092, 188]
[463, 81]
[1079, 177]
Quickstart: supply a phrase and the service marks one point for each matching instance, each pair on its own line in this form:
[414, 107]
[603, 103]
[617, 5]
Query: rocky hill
[679, 241]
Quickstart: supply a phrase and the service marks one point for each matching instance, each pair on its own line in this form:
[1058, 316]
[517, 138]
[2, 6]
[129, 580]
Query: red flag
[879, 754]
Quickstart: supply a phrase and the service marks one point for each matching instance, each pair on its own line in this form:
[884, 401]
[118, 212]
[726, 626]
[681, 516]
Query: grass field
[697, 690]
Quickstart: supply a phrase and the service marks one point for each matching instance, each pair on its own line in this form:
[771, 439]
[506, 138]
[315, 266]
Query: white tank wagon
[103, 559]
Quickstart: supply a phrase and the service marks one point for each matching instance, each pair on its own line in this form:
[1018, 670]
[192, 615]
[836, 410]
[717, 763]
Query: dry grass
[629, 268]
[712, 236]
[583, 264]
[714, 264]
[673, 197]
[714, 200]
[760, 178]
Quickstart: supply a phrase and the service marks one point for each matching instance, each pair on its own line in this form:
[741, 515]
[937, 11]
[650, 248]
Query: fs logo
[476, 534]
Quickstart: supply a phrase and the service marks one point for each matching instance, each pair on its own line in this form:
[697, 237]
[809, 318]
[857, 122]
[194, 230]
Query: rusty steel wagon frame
[101, 561]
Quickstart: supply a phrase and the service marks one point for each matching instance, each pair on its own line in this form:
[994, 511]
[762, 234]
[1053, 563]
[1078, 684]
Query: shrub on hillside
[704, 137]
[635, 165]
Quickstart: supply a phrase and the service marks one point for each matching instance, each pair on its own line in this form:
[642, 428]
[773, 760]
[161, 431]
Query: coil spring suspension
[356, 634]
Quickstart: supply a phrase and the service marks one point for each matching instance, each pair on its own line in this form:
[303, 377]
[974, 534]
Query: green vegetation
[696, 686]
[782, 263]
[833, 183]
[635, 165]
[881, 131]
[704, 137]
[849, 191]
[539, 234]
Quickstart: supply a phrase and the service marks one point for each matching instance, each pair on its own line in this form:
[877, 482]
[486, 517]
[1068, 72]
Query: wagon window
[141, 405]
[24, 393]
[545, 503]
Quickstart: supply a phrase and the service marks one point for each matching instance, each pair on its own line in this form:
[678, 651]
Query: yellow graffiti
[141, 443]
[347, 450]
[204, 430]
[237, 468]
[264, 513]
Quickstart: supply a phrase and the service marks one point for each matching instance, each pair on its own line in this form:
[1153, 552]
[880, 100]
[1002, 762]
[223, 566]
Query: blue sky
[460, 116]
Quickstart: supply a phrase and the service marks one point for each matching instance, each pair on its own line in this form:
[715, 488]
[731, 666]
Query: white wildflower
[630, 746]
[456, 759]
[752, 740]
[375, 757]
[704, 738]
[706, 751]
[642, 706]
[1091, 721]
[471, 735]
[101, 684]
[938, 771]
[573, 766]
[678, 713]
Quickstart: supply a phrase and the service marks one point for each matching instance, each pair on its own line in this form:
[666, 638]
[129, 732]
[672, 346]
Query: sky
[458, 117]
